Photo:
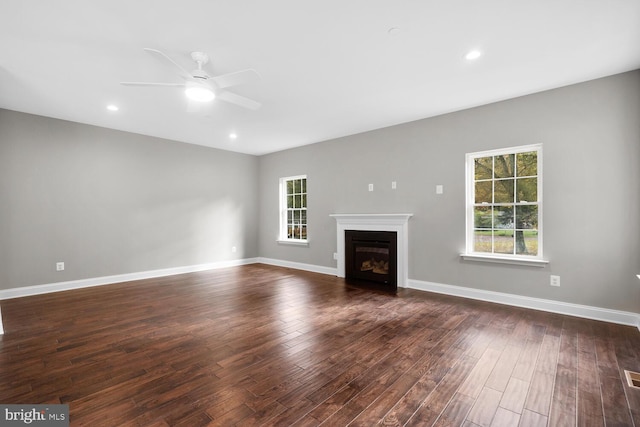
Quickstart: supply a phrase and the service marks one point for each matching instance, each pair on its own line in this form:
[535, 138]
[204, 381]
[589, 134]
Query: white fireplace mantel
[377, 222]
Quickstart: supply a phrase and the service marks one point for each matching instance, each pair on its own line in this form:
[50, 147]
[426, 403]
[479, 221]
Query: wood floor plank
[515, 395]
[526, 364]
[435, 402]
[265, 345]
[540, 392]
[456, 411]
[485, 407]
[505, 418]
[499, 378]
[532, 419]
[478, 377]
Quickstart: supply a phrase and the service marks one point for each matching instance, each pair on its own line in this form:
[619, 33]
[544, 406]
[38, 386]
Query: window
[504, 203]
[293, 209]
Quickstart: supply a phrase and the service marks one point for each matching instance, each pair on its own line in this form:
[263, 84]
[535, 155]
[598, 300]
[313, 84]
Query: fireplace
[398, 223]
[371, 258]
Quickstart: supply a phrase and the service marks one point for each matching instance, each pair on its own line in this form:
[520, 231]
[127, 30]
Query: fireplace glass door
[371, 256]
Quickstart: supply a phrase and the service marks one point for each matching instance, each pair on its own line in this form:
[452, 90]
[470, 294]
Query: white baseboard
[585, 311]
[107, 280]
[300, 266]
[589, 312]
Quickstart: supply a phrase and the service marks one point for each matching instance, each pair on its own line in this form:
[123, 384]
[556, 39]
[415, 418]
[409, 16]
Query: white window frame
[470, 254]
[283, 237]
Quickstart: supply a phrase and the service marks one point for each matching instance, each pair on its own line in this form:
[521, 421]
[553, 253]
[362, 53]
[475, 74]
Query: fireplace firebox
[371, 258]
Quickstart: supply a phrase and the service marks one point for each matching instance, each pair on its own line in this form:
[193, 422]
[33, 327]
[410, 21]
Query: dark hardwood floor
[262, 345]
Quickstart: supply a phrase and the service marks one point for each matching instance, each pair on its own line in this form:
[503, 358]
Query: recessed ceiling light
[232, 135]
[473, 54]
[112, 107]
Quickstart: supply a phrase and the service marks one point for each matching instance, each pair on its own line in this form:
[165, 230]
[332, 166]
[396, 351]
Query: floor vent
[633, 379]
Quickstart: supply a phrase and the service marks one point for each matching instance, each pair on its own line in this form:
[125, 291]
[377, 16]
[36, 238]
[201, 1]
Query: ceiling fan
[202, 87]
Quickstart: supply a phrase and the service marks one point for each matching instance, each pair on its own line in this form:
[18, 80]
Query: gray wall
[591, 151]
[107, 202]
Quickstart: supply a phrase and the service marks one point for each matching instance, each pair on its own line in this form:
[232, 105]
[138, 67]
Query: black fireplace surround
[371, 258]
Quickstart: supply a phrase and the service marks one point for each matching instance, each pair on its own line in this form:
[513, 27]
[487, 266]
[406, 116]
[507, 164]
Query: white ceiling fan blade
[152, 84]
[236, 78]
[184, 73]
[238, 100]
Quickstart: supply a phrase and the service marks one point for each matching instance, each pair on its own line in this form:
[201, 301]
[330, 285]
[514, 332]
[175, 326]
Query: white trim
[585, 311]
[108, 280]
[376, 222]
[293, 242]
[1, 328]
[299, 266]
[283, 208]
[505, 260]
[470, 200]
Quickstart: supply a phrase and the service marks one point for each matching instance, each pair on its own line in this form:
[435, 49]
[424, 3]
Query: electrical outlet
[393, 185]
[439, 189]
[59, 266]
[370, 187]
[234, 249]
[335, 255]
[554, 280]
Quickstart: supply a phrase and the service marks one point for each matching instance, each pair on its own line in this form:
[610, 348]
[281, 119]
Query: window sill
[505, 260]
[293, 242]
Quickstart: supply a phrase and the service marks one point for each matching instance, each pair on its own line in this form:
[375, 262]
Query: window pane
[503, 217]
[528, 164]
[303, 216]
[483, 168]
[304, 185]
[297, 201]
[527, 189]
[503, 241]
[527, 217]
[527, 242]
[503, 191]
[483, 192]
[304, 201]
[289, 202]
[296, 216]
[482, 217]
[503, 166]
[482, 241]
[289, 216]
[303, 232]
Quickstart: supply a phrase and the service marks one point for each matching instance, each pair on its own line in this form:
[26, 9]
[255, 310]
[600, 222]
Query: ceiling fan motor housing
[199, 74]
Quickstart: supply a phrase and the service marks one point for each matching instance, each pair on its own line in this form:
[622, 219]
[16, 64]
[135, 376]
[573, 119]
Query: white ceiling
[329, 68]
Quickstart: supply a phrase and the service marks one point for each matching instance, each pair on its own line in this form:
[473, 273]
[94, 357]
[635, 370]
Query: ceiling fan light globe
[200, 94]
